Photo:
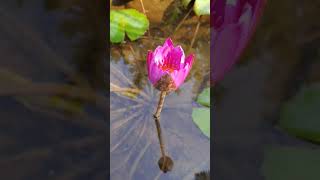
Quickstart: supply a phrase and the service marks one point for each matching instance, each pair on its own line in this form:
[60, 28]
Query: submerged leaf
[129, 21]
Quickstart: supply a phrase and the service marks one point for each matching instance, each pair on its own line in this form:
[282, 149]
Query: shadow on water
[282, 58]
[52, 86]
[134, 146]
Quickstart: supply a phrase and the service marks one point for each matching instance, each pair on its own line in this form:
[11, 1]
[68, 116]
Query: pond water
[134, 146]
[52, 94]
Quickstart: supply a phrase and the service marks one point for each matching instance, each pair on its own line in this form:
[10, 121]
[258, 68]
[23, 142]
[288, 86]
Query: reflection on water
[134, 146]
[282, 57]
[52, 108]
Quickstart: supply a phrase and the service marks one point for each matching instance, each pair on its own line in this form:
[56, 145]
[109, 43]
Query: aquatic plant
[200, 7]
[127, 21]
[201, 115]
[167, 70]
[233, 23]
[168, 67]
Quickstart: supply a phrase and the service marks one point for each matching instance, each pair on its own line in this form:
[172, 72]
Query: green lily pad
[204, 97]
[300, 116]
[127, 21]
[288, 163]
[201, 116]
[200, 7]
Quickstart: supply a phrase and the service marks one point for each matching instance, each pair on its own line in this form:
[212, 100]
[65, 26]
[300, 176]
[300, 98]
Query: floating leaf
[204, 97]
[288, 163]
[201, 116]
[300, 116]
[129, 21]
[116, 27]
[200, 7]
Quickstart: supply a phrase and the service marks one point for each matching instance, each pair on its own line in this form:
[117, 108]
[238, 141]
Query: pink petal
[158, 55]
[233, 25]
[149, 58]
[176, 57]
[224, 51]
[179, 76]
[155, 73]
[168, 43]
[189, 59]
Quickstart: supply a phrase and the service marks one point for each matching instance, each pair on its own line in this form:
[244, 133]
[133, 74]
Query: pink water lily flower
[168, 67]
[233, 24]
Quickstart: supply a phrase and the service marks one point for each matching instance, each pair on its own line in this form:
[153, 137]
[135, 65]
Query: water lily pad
[134, 146]
[201, 116]
[288, 163]
[300, 116]
[127, 21]
[200, 7]
[204, 97]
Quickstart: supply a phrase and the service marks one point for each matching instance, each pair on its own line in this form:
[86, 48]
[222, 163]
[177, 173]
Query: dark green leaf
[288, 163]
[300, 116]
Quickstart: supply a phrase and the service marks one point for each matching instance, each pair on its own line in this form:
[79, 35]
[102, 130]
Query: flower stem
[182, 21]
[145, 13]
[195, 34]
[157, 121]
[165, 162]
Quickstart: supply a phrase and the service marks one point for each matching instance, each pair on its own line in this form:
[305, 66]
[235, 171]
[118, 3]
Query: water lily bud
[168, 67]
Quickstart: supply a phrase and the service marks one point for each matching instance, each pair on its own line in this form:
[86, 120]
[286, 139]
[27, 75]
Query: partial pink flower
[168, 67]
[233, 23]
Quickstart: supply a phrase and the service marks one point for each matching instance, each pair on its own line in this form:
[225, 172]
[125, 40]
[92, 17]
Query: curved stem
[195, 34]
[145, 13]
[182, 21]
[157, 121]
